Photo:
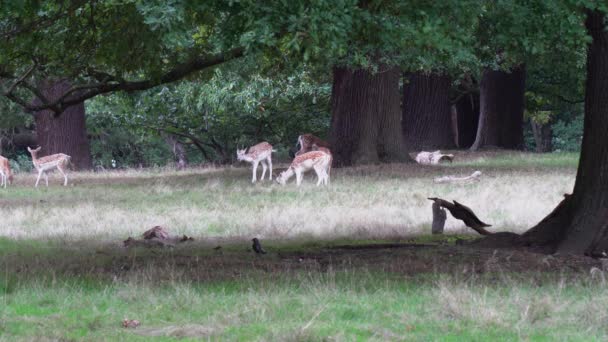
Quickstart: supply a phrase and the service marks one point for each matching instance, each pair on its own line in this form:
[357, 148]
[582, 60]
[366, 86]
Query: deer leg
[270, 166]
[264, 167]
[255, 171]
[38, 179]
[298, 178]
[65, 177]
[46, 178]
[2, 179]
[320, 176]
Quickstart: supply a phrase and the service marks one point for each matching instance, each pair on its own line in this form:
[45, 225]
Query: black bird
[257, 247]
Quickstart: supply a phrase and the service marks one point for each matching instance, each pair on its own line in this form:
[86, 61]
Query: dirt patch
[202, 262]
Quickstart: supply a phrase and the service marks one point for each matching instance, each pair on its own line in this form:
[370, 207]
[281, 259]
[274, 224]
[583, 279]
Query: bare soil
[205, 263]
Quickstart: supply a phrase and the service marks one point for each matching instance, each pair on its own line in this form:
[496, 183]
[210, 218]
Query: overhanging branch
[80, 93]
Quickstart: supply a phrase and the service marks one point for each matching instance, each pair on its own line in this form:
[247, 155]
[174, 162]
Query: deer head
[34, 151]
[284, 176]
[243, 155]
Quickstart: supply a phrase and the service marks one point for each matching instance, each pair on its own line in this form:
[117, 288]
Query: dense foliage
[251, 71]
[213, 117]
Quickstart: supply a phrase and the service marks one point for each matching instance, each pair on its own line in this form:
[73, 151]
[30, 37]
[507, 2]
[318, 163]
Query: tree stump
[439, 217]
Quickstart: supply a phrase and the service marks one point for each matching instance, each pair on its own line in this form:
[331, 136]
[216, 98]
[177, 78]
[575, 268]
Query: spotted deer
[260, 153]
[6, 177]
[316, 160]
[57, 161]
[306, 141]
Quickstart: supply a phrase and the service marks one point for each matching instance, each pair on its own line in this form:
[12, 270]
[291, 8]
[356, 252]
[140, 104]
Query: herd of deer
[313, 154]
[57, 161]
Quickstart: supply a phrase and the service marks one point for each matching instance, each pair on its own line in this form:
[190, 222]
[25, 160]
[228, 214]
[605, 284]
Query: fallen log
[156, 237]
[463, 213]
[475, 176]
[439, 217]
[433, 158]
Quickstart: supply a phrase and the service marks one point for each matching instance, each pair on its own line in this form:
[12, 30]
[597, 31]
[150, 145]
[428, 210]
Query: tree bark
[466, 120]
[543, 134]
[365, 125]
[178, 150]
[580, 223]
[65, 133]
[427, 122]
[501, 109]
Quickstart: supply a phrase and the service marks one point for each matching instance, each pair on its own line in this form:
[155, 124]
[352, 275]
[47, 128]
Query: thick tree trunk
[543, 135]
[365, 125]
[66, 133]
[178, 150]
[580, 223]
[466, 119]
[427, 122]
[501, 109]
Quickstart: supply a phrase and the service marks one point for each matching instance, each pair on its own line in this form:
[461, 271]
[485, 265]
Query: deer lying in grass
[307, 141]
[260, 153]
[6, 177]
[316, 160]
[59, 161]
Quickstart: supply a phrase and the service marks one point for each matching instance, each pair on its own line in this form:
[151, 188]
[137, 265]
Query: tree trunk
[66, 133]
[365, 125]
[466, 120]
[178, 150]
[501, 109]
[427, 120]
[542, 136]
[580, 223]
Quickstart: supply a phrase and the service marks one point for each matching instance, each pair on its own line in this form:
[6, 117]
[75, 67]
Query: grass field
[353, 261]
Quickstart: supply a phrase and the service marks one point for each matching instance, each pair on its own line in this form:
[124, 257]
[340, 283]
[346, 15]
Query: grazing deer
[260, 153]
[59, 161]
[306, 141]
[6, 177]
[317, 160]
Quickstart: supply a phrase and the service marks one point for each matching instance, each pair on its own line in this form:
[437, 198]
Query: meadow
[354, 260]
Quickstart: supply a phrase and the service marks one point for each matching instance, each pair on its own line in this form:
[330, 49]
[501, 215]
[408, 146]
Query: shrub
[568, 135]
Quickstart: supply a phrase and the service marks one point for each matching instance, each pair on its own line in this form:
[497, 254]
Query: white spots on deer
[316, 160]
[260, 153]
[57, 161]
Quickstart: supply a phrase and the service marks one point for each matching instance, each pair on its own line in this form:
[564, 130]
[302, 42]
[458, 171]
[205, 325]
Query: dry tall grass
[367, 202]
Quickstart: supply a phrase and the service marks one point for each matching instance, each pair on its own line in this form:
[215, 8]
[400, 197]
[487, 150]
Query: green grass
[354, 261]
[521, 160]
[348, 305]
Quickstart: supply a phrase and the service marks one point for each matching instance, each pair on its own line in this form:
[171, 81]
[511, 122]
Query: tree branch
[80, 93]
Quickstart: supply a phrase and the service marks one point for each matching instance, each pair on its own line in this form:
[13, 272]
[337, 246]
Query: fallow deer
[260, 153]
[306, 141]
[6, 177]
[59, 161]
[316, 160]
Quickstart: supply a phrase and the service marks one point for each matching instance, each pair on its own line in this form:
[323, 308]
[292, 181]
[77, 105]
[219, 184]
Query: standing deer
[260, 153]
[306, 141]
[316, 160]
[59, 161]
[6, 177]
